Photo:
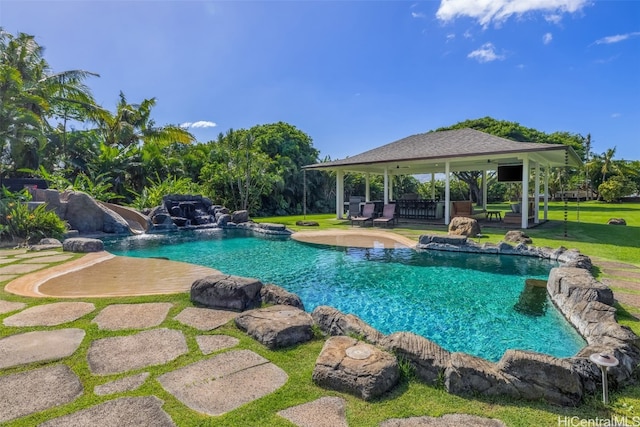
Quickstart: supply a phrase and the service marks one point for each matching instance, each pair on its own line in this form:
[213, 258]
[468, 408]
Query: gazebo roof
[465, 150]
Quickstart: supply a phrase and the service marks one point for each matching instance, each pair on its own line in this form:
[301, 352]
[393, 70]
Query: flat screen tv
[511, 173]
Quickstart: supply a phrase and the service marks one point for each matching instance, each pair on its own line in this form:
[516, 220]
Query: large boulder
[571, 285]
[348, 365]
[239, 217]
[333, 322]
[462, 226]
[82, 244]
[543, 377]
[86, 215]
[617, 221]
[277, 326]
[427, 358]
[471, 375]
[226, 292]
[517, 236]
[272, 294]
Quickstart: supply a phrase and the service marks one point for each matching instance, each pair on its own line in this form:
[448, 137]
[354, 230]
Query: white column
[524, 209]
[339, 194]
[546, 192]
[433, 185]
[390, 188]
[484, 189]
[367, 187]
[386, 186]
[536, 195]
[447, 196]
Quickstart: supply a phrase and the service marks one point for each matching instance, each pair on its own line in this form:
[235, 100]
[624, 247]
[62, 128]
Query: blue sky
[355, 74]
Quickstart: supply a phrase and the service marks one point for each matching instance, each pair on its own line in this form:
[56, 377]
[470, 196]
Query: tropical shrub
[17, 221]
[152, 194]
[615, 188]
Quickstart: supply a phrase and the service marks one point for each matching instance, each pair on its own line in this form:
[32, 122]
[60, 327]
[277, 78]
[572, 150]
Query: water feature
[464, 302]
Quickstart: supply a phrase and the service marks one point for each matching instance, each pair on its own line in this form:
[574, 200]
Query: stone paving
[214, 385]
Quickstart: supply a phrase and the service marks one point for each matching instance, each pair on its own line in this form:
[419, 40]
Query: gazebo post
[536, 191]
[546, 192]
[447, 196]
[484, 190]
[386, 185]
[525, 193]
[339, 193]
[367, 187]
[433, 185]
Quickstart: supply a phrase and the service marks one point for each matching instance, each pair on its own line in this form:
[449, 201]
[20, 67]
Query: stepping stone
[148, 348]
[449, 420]
[126, 411]
[7, 260]
[123, 384]
[7, 277]
[352, 366]
[324, 412]
[223, 383]
[21, 268]
[37, 254]
[212, 343]
[50, 258]
[205, 319]
[8, 306]
[277, 326]
[50, 314]
[132, 316]
[39, 346]
[36, 390]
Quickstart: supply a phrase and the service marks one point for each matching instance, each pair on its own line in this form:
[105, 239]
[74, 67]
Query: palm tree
[31, 95]
[132, 131]
[607, 163]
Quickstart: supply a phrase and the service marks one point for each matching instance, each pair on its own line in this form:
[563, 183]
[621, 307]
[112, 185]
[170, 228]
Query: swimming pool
[477, 304]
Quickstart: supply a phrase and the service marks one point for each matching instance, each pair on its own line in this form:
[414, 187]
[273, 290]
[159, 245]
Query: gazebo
[444, 152]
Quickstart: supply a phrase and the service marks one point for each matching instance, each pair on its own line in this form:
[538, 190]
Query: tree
[130, 131]
[615, 188]
[30, 96]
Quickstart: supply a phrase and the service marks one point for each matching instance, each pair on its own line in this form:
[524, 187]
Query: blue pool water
[464, 302]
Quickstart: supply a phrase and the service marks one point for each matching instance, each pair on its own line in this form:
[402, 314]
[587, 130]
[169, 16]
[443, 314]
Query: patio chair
[367, 214]
[388, 215]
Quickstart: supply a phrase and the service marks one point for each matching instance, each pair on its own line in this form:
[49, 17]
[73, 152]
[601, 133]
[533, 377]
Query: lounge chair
[388, 215]
[367, 214]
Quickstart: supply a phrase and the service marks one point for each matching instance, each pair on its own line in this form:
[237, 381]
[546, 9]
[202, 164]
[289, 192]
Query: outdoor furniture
[367, 214]
[388, 215]
[497, 215]
[462, 208]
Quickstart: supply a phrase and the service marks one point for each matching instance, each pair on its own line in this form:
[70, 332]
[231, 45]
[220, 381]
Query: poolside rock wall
[588, 305]
[584, 301]
[569, 257]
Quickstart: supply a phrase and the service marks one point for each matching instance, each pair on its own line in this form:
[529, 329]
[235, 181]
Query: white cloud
[553, 18]
[418, 15]
[498, 11]
[467, 34]
[486, 53]
[198, 124]
[451, 37]
[546, 39]
[615, 115]
[617, 38]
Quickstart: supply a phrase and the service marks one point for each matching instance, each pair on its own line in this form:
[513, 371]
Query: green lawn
[411, 398]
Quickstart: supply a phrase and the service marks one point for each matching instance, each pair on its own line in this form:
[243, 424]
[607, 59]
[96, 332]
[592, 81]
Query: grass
[410, 398]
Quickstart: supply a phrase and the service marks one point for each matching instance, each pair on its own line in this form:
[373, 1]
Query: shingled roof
[456, 145]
